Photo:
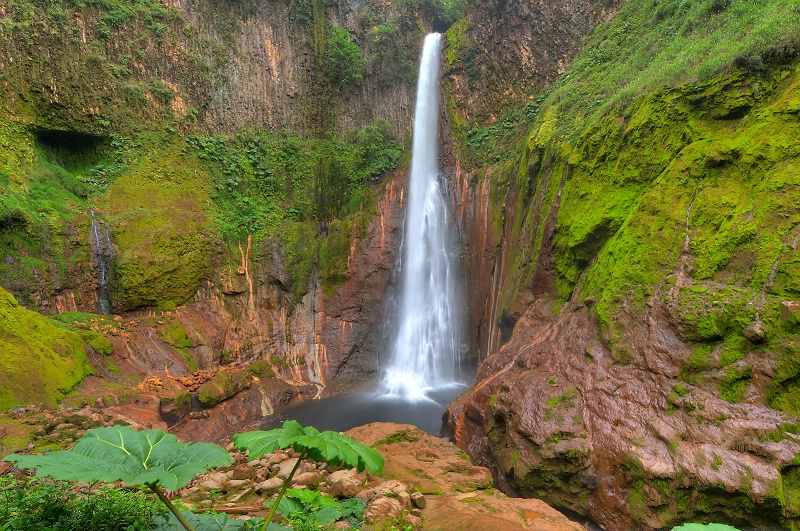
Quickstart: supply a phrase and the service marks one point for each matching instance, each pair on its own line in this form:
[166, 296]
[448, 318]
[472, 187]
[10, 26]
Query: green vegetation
[735, 383]
[649, 45]
[565, 400]
[309, 510]
[328, 446]
[125, 148]
[157, 460]
[151, 458]
[40, 362]
[344, 60]
[41, 504]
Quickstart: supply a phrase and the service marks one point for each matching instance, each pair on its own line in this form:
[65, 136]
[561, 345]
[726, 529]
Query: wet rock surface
[555, 417]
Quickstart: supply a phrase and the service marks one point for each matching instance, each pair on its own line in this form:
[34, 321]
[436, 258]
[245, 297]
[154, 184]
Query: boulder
[222, 386]
[284, 468]
[244, 471]
[310, 478]
[790, 312]
[174, 405]
[269, 486]
[382, 508]
[344, 488]
[754, 332]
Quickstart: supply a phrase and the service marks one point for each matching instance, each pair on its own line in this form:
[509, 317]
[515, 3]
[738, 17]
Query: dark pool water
[343, 412]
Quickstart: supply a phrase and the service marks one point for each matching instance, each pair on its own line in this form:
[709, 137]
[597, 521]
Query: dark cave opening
[72, 150]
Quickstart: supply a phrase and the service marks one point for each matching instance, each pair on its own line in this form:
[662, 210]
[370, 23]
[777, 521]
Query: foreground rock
[452, 494]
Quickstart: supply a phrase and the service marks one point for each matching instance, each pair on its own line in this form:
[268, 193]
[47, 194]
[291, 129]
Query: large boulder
[174, 405]
[222, 386]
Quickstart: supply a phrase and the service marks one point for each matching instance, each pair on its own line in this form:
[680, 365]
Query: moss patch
[38, 362]
[161, 230]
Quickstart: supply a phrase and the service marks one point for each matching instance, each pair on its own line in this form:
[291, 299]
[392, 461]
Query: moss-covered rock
[174, 405]
[161, 230]
[222, 386]
[99, 343]
[38, 361]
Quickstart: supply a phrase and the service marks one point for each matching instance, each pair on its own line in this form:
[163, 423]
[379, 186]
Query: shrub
[344, 60]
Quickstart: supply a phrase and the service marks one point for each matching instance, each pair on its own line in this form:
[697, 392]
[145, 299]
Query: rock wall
[648, 273]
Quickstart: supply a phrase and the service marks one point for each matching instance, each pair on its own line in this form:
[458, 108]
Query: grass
[654, 43]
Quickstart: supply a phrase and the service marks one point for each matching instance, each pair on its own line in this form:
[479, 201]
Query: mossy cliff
[232, 156]
[40, 362]
[646, 250]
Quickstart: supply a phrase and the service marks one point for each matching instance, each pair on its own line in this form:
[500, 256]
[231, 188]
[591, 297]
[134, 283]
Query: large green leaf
[328, 446]
[265, 442]
[312, 498]
[211, 522]
[135, 457]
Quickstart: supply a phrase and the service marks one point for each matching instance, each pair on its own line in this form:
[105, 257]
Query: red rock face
[555, 417]
[323, 344]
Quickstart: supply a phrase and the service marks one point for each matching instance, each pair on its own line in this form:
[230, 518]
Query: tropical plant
[310, 509]
[327, 446]
[344, 60]
[45, 504]
[151, 458]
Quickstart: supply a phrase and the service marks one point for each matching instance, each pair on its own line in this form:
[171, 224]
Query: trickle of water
[103, 254]
[425, 354]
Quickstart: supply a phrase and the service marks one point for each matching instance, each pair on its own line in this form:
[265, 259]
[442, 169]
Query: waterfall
[103, 255]
[425, 354]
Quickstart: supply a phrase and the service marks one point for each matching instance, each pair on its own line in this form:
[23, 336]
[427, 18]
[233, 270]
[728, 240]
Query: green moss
[565, 400]
[735, 383]
[221, 386]
[698, 359]
[784, 392]
[456, 43]
[300, 255]
[334, 254]
[161, 231]
[735, 347]
[99, 343]
[400, 436]
[38, 362]
[174, 335]
[261, 368]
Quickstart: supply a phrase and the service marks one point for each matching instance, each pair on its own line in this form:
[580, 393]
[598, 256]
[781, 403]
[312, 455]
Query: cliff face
[643, 286]
[208, 154]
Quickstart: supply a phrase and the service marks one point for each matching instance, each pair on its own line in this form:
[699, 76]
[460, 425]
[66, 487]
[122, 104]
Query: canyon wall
[642, 330]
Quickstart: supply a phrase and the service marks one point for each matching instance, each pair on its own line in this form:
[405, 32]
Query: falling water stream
[423, 371]
[425, 355]
[103, 256]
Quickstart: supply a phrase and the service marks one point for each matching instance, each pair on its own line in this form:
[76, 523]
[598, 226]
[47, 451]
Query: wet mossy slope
[40, 362]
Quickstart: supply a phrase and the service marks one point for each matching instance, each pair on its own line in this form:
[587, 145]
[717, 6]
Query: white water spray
[425, 355]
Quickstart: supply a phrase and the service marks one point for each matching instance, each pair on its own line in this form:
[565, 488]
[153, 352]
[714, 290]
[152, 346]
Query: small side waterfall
[425, 354]
[102, 255]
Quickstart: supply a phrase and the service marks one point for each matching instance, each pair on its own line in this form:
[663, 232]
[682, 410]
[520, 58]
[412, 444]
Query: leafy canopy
[328, 446]
[136, 458]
